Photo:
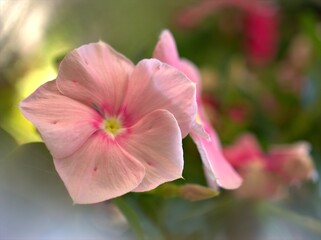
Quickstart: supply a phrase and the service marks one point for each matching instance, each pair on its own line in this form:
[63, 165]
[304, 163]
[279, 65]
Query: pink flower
[110, 126]
[266, 175]
[292, 162]
[244, 150]
[217, 169]
[248, 158]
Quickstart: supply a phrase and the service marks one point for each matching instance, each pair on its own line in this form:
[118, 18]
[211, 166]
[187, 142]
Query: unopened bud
[195, 192]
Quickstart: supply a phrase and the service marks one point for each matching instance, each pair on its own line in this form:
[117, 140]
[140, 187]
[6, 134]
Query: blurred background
[260, 63]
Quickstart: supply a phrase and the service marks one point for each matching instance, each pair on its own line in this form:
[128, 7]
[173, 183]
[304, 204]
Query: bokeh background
[261, 70]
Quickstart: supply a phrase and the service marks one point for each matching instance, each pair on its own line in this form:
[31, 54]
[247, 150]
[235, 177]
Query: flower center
[112, 126]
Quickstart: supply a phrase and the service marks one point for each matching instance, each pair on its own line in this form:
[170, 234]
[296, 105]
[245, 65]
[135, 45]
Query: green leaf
[131, 217]
[7, 143]
[167, 190]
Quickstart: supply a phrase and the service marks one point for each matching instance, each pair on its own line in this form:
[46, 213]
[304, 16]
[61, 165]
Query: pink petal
[64, 124]
[95, 74]
[210, 151]
[214, 162]
[99, 171]
[199, 128]
[210, 177]
[166, 51]
[192, 73]
[155, 85]
[156, 141]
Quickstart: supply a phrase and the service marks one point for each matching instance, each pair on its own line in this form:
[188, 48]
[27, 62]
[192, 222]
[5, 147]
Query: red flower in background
[261, 32]
[261, 21]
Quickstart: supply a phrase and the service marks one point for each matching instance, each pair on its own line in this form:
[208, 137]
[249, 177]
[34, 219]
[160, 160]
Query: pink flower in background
[260, 24]
[249, 160]
[266, 175]
[244, 150]
[110, 126]
[261, 31]
[292, 162]
[217, 169]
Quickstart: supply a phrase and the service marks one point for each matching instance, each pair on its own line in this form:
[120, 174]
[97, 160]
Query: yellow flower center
[112, 126]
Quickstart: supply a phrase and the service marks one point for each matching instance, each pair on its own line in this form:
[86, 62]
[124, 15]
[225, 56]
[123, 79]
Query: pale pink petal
[96, 75]
[205, 139]
[64, 124]
[213, 159]
[191, 71]
[198, 127]
[166, 50]
[155, 85]
[210, 177]
[99, 171]
[156, 141]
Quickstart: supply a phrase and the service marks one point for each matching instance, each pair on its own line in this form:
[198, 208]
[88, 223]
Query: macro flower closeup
[217, 170]
[113, 127]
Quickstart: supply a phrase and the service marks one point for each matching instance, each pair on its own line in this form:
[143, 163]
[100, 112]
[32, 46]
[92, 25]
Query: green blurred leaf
[167, 190]
[131, 217]
[7, 143]
[30, 169]
[304, 221]
[309, 23]
[144, 207]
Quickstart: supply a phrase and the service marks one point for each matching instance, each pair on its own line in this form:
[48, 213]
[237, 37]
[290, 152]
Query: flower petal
[166, 51]
[94, 74]
[197, 125]
[192, 73]
[156, 141]
[64, 124]
[99, 171]
[210, 151]
[213, 160]
[210, 177]
[155, 85]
